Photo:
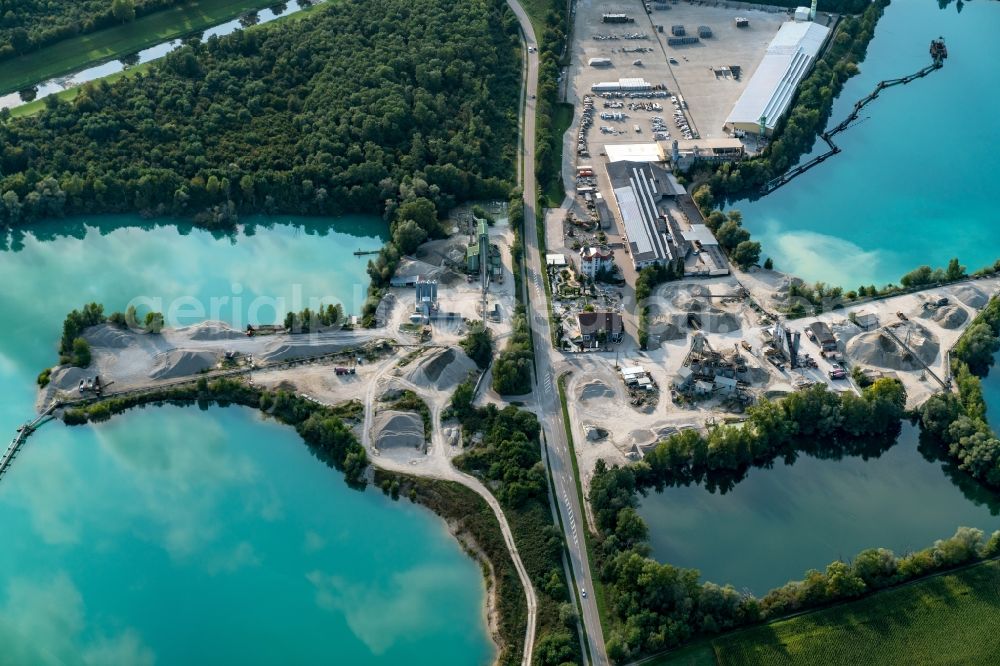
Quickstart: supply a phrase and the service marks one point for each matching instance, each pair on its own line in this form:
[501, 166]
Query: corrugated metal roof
[637, 195]
[787, 60]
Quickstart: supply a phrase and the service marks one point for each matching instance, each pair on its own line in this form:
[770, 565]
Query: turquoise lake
[173, 535]
[915, 183]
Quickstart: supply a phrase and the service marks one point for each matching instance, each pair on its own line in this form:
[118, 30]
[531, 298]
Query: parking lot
[706, 77]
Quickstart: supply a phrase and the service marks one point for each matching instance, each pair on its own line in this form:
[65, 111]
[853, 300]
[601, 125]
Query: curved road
[441, 468]
[546, 395]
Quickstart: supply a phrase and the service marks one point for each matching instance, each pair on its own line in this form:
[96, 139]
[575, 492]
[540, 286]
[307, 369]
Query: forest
[365, 106]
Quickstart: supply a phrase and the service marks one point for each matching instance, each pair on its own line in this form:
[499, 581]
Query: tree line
[554, 23]
[507, 458]
[655, 606]
[958, 423]
[310, 321]
[512, 369]
[320, 426]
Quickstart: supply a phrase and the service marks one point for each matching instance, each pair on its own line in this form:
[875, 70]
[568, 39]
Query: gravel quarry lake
[778, 522]
[915, 183]
[164, 530]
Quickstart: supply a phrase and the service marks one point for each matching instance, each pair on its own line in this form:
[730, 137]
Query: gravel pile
[182, 363]
[395, 430]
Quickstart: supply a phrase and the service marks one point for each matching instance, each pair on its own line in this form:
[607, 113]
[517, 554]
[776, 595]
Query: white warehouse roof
[633, 152]
[622, 85]
[787, 60]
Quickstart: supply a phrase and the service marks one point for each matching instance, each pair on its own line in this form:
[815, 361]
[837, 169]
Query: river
[101, 70]
[916, 181]
[180, 536]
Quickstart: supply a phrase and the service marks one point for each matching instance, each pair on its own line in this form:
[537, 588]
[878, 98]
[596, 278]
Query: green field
[76, 53]
[948, 619]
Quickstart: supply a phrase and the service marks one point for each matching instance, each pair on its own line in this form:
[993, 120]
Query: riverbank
[76, 53]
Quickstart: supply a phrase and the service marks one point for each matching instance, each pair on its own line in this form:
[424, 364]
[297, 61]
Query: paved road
[546, 392]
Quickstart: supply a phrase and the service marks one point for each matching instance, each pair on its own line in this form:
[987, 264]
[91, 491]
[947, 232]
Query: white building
[634, 152]
[770, 90]
[596, 259]
[622, 85]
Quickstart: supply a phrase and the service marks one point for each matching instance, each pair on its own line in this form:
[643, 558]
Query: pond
[170, 533]
[778, 523]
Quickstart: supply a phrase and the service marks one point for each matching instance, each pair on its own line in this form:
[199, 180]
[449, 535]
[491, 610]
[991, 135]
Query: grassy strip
[473, 520]
[68, 95]
[73, 54]
[600, 594]
[554, 190]
[948, 618]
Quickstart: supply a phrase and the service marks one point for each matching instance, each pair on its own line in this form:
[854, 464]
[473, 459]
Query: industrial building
[633, 152]
[426, 305]
[622, 85]
[483, 257]
[684, 153]
[769, 92]
[639, 188]
[707, 372]
[703, 256]
[655, 228]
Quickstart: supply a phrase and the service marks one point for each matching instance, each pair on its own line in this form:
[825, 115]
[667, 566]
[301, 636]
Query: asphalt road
[546, 391]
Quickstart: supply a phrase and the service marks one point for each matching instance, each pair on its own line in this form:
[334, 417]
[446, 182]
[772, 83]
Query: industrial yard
[654, 85]
[708, 75]
[448, 272]
[716, 348]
